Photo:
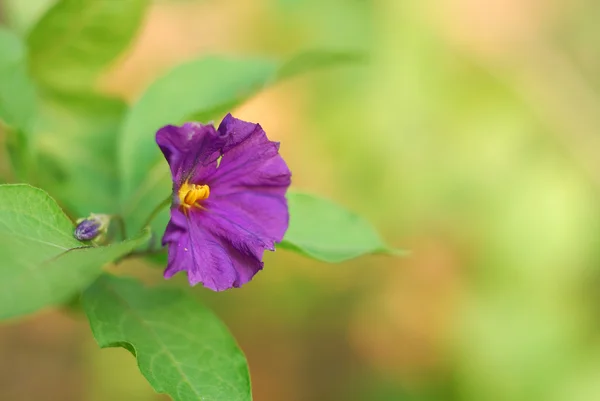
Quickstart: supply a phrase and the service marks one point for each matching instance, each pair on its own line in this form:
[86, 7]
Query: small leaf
[80, 171]
[197, 91]
[17, 94]
[41, 263]
[323, 230]
[77, 39]
[182, 349]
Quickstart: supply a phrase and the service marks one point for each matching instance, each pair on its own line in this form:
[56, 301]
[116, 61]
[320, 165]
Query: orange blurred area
[471, 138]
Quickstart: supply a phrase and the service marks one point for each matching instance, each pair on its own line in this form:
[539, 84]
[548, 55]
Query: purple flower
[228, 200]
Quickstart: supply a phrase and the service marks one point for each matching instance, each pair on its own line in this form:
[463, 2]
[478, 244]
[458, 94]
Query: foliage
[95, 154]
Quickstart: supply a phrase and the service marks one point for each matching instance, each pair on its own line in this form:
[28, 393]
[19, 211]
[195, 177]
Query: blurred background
[472, 138]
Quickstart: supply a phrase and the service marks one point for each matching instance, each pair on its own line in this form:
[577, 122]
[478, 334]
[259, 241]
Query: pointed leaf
[41, 264]
[323, 230]
[182, 349]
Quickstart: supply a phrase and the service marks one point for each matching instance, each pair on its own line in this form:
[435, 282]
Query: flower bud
[90, 228]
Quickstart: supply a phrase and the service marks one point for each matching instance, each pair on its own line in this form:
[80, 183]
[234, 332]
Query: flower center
[190, 194]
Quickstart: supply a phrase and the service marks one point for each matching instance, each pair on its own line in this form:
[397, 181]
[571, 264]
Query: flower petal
[263, 212]
[249, 160]
[188, 147]
[204, 248]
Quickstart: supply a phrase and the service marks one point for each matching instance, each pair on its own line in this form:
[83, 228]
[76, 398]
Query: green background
[470, 137]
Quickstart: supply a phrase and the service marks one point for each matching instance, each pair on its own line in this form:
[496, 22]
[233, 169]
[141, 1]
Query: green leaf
[200, 90]
[80, 170]
[182, 349]
[17, 94]
[41, 263]
[77, 39]
[323, 230]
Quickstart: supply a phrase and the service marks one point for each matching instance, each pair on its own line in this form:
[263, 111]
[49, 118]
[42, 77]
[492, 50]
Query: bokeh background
[471, 137]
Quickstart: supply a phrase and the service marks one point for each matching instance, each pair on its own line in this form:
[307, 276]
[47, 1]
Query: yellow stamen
[190, 194]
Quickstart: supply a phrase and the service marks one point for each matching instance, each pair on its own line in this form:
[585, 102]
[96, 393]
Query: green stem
[157, 210]
[121, 223]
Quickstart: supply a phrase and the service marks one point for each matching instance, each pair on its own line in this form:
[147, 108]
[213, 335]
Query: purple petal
[204, 248]
[195, 251]
[249, 160]
[188, 147]
[263, 212]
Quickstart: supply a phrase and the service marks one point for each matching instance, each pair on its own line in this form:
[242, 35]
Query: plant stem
[157, 210]
[121, 223]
